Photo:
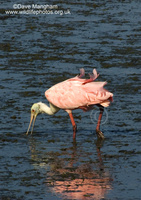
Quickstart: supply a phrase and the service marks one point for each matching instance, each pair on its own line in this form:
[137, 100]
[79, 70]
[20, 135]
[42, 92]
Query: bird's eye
[33, 110]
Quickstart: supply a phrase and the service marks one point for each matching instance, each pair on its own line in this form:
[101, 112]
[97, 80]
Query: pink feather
[79, 93]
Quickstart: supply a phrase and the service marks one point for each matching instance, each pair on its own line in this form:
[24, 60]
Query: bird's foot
[100, 135]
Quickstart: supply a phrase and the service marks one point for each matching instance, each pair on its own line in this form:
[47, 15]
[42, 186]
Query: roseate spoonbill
[72, 94]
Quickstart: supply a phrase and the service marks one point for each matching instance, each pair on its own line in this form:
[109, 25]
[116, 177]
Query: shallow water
[38, 51]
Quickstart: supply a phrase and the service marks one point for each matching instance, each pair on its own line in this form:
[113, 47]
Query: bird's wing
[74, 93]
[98, 94]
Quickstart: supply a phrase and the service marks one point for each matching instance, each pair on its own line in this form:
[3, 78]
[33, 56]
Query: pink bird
[72, 94]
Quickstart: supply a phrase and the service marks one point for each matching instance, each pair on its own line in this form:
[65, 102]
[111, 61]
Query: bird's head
[35, 110]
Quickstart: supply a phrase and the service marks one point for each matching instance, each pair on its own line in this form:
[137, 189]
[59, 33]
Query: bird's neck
[48, 110]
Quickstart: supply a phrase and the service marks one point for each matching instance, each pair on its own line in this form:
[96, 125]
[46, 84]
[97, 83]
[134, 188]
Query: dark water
[38, 51]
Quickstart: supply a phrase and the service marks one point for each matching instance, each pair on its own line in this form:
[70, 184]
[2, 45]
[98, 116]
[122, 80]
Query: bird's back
[79, 93]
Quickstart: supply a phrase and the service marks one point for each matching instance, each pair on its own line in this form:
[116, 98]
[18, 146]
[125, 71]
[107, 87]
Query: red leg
[99, 133]
[99, 118]
[74, 125]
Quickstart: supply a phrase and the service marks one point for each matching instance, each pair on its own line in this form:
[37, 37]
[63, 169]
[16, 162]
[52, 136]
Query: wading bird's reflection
[72, 175]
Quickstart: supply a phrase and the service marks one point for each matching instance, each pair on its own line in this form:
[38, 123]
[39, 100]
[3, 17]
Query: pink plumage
[72, 94]
[79, 93]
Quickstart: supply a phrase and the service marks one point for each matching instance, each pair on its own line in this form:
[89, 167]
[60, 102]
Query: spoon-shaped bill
[32, 119]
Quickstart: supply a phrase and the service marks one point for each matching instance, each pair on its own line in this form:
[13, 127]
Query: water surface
[38, 51]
